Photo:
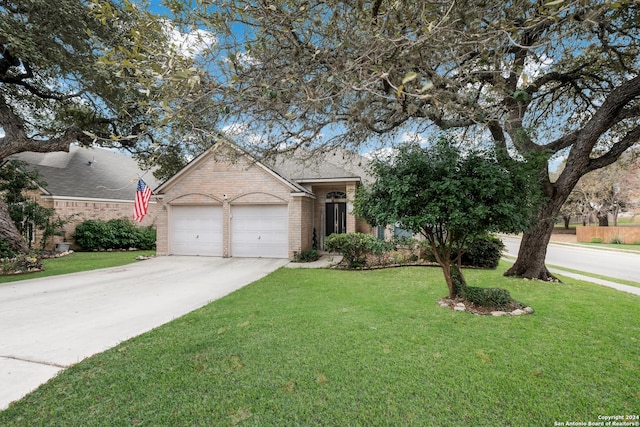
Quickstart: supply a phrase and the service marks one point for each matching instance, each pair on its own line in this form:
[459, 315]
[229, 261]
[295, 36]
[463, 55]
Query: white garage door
[196, 230]
[260, 231]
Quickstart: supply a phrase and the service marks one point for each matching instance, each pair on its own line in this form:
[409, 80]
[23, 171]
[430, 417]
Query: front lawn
[80, 261]
[362, 348]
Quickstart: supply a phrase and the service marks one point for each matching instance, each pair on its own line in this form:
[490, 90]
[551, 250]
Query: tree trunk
[8, 231]
[454, 278]
[603, 220]
[533, 250]
[567, 221]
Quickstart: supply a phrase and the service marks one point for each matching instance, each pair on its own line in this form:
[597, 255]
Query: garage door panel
[260, 231]
[196, 230]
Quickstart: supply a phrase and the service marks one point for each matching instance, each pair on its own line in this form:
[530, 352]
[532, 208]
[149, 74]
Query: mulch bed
[478, 309]
[29, 264]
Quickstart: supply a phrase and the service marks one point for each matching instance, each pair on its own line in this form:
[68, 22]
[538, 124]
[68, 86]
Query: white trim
[301, 194]
[327, 180]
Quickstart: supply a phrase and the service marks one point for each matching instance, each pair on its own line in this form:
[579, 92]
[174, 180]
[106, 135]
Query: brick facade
[222, 177]
[78, 210]
[217, 179]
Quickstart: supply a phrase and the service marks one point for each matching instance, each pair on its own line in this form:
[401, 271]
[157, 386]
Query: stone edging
[459, 306]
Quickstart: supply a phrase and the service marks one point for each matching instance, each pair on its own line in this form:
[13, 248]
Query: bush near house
[5, 250]
[122, 233]
[354, 247]
[364, 250]
[309, 255]
[482, 252]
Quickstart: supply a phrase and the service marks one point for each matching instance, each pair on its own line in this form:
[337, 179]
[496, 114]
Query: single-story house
[87, 183]
[227, 203]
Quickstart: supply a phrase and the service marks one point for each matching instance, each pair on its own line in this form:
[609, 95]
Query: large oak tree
[86, 71]
[531, 77]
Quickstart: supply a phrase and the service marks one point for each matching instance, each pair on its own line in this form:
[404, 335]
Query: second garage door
[196, 230]
[260, 231]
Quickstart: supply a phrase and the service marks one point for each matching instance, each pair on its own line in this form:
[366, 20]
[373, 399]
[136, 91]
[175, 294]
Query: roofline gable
[209, 152]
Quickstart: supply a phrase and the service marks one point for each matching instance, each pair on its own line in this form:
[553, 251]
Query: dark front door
[336, 218]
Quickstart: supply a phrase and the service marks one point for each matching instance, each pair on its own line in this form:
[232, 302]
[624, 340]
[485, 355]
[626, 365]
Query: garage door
[259, 231]
[196, 230]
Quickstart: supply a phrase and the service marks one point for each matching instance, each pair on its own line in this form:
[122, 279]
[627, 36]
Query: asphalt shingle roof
[303, 166]
[95, 173]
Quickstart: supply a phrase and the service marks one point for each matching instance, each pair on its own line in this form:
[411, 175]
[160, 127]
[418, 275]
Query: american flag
[141, 204]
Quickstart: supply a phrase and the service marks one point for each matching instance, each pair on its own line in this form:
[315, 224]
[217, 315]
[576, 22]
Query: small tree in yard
[450, 198]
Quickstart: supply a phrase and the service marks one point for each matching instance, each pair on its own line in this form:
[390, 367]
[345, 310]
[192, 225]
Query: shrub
[93, 235]
[309, 255]
[5, 251]
[596, 240]
[483, 252]
[616, 240]
[380, 246]
[488, 297]
[353, 246]
[123, 232]
[146, 238]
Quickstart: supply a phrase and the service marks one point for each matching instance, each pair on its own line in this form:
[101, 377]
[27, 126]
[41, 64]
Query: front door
[336, 218]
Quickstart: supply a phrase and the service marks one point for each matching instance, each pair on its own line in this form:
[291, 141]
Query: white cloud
[241, 131]
[533, 68]
[413, 137]
[189, 44]
[235, 129]
[246, 59]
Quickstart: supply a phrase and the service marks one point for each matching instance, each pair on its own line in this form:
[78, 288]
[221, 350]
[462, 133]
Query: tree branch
[631, 138]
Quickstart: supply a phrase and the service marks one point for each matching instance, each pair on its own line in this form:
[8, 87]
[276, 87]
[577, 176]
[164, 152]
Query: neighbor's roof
[94, 173]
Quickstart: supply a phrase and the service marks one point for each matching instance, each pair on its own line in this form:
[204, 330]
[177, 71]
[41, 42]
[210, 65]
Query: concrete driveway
[49, 324]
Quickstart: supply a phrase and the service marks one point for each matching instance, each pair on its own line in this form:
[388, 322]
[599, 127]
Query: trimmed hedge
[354, 247]
[122, 233]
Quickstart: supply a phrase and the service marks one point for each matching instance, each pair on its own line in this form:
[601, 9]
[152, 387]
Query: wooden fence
[628, 235]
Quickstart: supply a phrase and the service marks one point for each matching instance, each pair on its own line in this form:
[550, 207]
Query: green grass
[620, 246]
[368, 348]
[79, 261]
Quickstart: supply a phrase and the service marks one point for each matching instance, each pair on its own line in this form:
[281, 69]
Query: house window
[401, 233]
[336, 196]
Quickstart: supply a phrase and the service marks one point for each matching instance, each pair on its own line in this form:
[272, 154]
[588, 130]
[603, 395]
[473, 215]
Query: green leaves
[465, 193]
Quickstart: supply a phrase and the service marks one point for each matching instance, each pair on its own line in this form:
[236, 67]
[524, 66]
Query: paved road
[615, 264]
[49, 324]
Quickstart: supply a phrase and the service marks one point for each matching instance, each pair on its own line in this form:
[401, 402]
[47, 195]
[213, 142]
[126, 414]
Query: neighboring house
[226, 203]
[87, 183]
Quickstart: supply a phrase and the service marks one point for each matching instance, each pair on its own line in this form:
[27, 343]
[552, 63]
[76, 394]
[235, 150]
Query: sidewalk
[571, 239]
[624, 288]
